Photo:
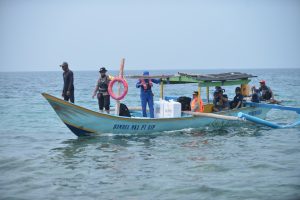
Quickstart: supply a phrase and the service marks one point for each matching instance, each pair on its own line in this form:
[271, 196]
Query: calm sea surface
[41, 159]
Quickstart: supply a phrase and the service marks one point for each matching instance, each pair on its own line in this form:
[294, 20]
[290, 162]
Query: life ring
[111, 84]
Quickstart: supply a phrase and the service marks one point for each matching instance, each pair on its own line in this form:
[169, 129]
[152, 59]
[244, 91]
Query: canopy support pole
[161, 90]
[199, 91]
[207, 94]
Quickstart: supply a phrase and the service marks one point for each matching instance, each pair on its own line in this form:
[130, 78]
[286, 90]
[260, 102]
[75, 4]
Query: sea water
[40, 158]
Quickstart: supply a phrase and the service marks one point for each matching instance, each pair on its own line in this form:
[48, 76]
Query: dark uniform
[255, 96]
[238, 98]
[220, 101]
[68, 86]
[266, 92]
[103, 95]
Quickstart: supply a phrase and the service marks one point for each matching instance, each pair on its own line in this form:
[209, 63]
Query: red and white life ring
[111, 84]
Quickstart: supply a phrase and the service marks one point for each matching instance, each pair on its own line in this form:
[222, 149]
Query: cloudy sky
[38, 35]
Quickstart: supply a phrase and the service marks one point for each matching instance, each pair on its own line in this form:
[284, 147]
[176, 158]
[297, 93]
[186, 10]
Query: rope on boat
[265, 122]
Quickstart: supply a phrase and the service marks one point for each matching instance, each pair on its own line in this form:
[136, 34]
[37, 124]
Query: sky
[38, 35]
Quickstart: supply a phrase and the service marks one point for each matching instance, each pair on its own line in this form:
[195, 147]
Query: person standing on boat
[146, 93]
[238, 99]
[102, 89]
[68, 89]
[266, 92]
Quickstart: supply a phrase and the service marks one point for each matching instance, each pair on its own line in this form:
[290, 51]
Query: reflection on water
[111, 151]
[101, 151]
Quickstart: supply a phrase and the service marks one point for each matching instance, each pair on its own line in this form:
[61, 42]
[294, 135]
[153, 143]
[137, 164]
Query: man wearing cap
[68, 89]
[266, 92]
[102, 89]
[146, 93]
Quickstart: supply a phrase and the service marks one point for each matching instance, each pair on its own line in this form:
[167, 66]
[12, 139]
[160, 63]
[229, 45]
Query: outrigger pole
[268, 123]
[213, 115]
[265, 122]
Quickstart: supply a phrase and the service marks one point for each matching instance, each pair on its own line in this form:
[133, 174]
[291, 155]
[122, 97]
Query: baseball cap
[64, 64]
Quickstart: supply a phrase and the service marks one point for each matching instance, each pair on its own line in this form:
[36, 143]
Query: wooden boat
[82, 121]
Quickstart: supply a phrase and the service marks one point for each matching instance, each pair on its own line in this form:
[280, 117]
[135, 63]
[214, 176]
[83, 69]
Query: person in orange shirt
[196, 105]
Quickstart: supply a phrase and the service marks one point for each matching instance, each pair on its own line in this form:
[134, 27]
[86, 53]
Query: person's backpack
[124, 111]
[185, 103]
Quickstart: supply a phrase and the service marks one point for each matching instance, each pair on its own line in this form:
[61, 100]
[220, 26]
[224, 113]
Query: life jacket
[200, 105]
[103, 84]
[146, 85]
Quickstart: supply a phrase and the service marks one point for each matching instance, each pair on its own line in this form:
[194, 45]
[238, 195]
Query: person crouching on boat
[237, 100]
[102, 89]
[146, 93]
[266, 92]
[220, 100]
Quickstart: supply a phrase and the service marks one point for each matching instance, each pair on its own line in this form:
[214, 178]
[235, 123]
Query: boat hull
[82, 121]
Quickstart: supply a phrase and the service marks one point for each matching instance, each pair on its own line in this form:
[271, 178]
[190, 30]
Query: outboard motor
[185, 103]
[124, 111]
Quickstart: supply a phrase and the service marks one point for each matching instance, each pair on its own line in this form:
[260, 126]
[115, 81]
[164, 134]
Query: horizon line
[88, 70]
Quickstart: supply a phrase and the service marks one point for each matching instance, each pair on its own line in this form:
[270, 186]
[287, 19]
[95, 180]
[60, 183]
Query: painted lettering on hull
[134, 127]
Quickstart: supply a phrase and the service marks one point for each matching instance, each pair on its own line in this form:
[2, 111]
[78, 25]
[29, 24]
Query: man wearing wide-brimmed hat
[68, 89]
[102, 89]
